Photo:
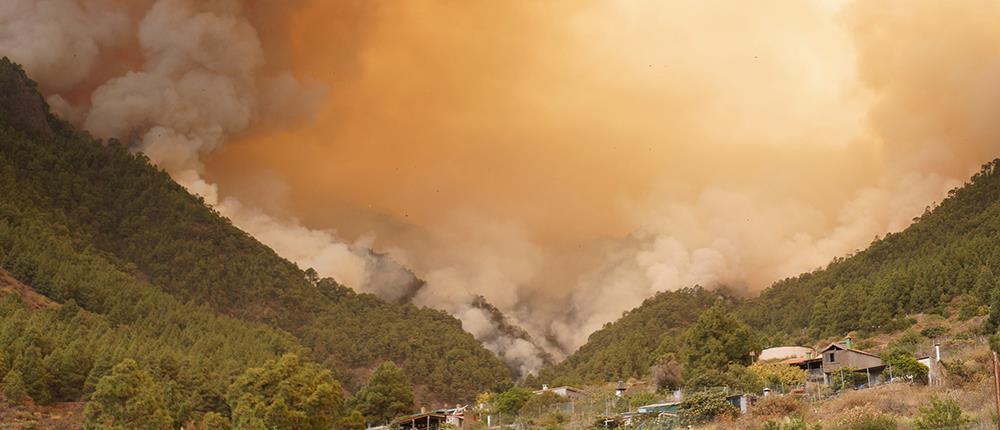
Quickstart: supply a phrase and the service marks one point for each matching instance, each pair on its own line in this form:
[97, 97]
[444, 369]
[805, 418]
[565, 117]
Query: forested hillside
[629, 346]
[145, 270]
[950, 252]
[950, 255]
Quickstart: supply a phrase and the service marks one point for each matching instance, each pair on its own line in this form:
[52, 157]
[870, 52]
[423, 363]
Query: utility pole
[996, 382]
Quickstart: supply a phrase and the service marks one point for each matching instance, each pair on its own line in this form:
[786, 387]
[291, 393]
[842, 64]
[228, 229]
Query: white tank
[786, 352]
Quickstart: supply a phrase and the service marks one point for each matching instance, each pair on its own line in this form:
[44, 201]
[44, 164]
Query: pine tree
[718, 339]
[34, 374]
[285, 393]
[985, 285]
[13, 387]
[128, 398]
[351, 421]
[386, 395]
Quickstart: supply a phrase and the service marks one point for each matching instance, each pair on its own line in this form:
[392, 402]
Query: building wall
[845, 358]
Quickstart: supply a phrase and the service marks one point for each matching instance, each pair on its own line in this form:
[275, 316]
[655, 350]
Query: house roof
[792, 361]
[437, 413]
[563, 387]
[420, 416]
[841, 346]
[658, 405]
[567, 388]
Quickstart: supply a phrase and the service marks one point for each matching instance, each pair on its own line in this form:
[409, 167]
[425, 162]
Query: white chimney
[937, 352]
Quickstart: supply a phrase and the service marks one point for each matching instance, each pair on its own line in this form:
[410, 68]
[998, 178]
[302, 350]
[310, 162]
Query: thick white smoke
[179, 78]
[201, 78]
[737, 239]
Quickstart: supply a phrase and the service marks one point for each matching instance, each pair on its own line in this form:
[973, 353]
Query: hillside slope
[629, 346]
[949, 254]
[99, 198]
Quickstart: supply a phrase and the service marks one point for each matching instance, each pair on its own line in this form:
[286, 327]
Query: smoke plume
[564, 160]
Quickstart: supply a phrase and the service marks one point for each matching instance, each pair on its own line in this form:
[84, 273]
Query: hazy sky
[566, 159]
[560, 117]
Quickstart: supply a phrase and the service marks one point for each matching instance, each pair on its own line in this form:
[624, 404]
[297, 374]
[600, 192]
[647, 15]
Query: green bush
[789, 424]
[908, 367]
[13, 387]
[847, 378]
[940, 413]
[958, 370]
[868, 421]
[705, 406]
[512, 400]
[933, 332]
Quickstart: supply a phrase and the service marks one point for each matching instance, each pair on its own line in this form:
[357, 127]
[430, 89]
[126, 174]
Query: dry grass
[58, 416]
[9, 285]
[896, 399]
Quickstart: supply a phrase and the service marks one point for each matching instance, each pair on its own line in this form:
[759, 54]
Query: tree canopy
[139, 268]
[718, 339]
[387, 395]
[287, 394]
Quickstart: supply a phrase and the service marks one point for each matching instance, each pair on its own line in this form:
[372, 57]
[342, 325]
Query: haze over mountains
[147, 271]
[548, 170]
[948, 257]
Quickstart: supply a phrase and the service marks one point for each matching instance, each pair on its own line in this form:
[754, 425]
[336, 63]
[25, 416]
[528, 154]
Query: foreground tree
[387, 394]
[128, 398]
[351, 421]
[512, 400]
[285, 394]
[717, 340]
[905, 366]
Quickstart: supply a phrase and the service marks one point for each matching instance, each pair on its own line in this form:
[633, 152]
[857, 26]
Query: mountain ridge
[950, 254]
[115, 204]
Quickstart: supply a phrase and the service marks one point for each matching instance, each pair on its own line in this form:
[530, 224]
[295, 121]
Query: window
[829, 358]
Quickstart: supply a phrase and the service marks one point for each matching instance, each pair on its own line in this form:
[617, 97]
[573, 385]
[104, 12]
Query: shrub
[13, 387]
[777, 375]
[705, 406]
[867, 420]
[958, 370]
[789, 424]
[908, 367]
[777, 407]
[846, 378]
[512, 400]
[940, 413]
[933, 332]
[969, 306]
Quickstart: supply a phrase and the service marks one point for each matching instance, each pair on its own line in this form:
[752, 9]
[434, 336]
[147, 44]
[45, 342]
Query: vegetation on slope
[950, 254]
[144, 269]
[630, 346]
